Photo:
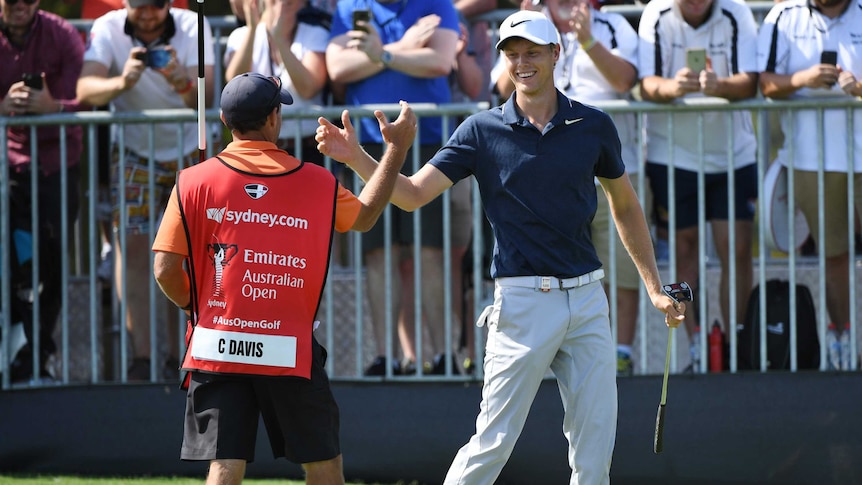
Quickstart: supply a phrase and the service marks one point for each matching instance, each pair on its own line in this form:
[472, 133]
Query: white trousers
[530, 331]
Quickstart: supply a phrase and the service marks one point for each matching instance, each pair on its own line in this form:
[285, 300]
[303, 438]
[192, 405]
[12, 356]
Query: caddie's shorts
[301, 416]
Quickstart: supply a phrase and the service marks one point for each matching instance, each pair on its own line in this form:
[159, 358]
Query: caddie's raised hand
[400, 132]
[338, 143]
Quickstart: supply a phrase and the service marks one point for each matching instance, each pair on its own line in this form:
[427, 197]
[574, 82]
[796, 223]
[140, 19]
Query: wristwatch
[386, 58]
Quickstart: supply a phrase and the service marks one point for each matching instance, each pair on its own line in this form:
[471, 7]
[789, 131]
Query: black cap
[144, 3]
[251, 97]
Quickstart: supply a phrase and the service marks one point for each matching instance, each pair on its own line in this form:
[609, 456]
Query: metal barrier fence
[94, 343]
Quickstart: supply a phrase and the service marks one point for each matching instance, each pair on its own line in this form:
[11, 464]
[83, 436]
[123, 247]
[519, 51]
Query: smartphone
[362, 15]
[695, 59]
[157, 58]
[32, 80]
[829, 57]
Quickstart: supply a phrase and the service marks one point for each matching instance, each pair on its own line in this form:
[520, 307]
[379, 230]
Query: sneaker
[625, 367]
[139, 370]
[378, 367]
[408, 367]
[438, 366]
[469, 366]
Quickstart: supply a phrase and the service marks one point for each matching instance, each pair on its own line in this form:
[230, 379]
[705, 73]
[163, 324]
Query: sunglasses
[13, 2]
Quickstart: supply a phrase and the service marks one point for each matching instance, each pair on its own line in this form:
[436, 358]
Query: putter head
[678, 292]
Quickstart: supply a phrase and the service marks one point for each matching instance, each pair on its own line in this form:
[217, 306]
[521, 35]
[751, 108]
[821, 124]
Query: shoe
[625, 367]
[105, 270]
[438, 366]
[469, 366]
[378, 367]
[139, 370]
[408, 367]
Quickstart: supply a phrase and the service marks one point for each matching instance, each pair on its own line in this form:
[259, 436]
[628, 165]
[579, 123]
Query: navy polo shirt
[537, 187]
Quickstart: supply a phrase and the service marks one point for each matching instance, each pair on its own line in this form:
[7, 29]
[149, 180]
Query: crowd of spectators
[142, 54]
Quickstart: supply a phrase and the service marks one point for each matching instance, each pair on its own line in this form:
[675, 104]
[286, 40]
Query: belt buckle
[546, 284]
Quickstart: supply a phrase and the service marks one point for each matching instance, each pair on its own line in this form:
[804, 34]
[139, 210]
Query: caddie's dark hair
[247, 126]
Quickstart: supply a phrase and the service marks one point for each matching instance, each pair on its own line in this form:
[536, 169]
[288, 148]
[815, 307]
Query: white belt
[548, 283]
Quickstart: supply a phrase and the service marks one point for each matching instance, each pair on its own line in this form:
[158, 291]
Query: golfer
[254, 227]
[534, 159]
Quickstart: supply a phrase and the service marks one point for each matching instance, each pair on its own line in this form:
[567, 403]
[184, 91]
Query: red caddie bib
[259, 254]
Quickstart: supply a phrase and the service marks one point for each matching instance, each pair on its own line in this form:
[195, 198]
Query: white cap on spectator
[527, 24]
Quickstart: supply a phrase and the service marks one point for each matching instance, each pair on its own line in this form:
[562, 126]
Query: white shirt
[109, 45]
[577, 77]
[729, 36]
[308, 38]
[792, 37]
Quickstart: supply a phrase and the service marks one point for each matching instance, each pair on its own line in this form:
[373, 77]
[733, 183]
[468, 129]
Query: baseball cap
[527, 24]
[144, 3]
[251, 97]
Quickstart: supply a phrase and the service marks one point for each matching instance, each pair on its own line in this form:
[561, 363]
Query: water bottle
[833, 348]
[844, 344]
[716, 348]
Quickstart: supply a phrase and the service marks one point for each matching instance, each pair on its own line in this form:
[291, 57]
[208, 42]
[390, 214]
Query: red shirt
[54, 47]
[93, 9]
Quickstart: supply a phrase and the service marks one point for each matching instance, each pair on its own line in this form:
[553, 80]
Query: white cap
[527, 24]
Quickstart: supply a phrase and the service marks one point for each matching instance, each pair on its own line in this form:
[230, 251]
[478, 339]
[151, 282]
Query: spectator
[287, 40]
[49, 52]
[402, 54]
[229, 391]
[93, 9]
[480, 38]
[727, 31]
[115, 72]
[598, 62]
[540, 203]
[467, 82]
[790, 49]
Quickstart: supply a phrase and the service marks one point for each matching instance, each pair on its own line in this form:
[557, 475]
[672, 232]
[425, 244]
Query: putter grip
[658, 443]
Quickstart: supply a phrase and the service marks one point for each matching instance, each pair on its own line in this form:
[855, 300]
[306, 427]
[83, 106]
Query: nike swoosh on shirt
[519, 22]
[571, 122]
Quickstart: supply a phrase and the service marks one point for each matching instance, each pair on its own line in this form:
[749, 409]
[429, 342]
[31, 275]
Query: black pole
[202, 127]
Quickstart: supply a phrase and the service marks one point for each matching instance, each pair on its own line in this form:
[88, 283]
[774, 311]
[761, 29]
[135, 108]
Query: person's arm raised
[342, 145]
[398, 137]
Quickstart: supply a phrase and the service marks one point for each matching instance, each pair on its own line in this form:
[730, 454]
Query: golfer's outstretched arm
[342, 145]
[634, 232]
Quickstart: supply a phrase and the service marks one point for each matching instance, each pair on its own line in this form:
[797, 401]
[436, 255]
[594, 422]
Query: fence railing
[91, 330]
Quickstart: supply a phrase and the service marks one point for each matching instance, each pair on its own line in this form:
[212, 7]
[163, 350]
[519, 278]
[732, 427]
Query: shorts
[835, 197]
[627, 275]
[686, 203]
[136, 182]
[301, 416]
[431, 214]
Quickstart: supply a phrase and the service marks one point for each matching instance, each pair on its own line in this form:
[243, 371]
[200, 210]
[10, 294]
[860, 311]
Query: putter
[677, 292]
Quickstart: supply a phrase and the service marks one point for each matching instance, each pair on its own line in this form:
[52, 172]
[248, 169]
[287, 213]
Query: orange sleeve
[171, 237]
[347, 208]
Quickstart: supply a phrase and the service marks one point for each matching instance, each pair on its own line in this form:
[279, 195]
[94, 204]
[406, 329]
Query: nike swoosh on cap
[570, 122]
[513, 24]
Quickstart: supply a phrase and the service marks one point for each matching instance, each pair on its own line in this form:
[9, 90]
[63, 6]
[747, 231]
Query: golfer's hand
[338, 143]
[402, 131]
[674, 312]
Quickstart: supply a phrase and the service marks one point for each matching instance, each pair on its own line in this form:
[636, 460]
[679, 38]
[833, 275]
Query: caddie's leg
[226, 472]
[327, 472]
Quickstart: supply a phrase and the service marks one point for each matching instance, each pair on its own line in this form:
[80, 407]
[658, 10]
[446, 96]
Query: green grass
[74, 480]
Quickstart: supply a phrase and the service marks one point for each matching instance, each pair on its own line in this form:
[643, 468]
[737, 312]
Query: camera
[155, 58]
[32, 80]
